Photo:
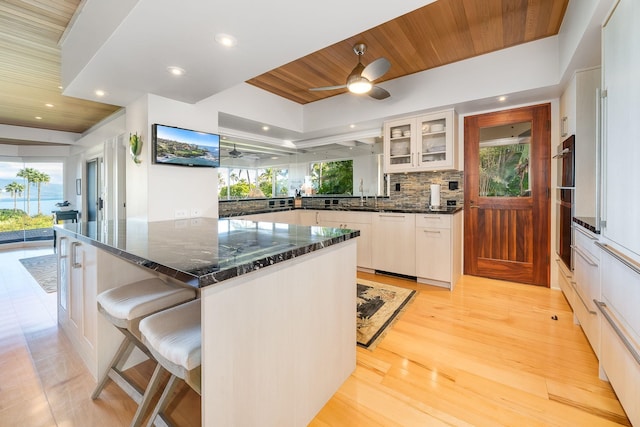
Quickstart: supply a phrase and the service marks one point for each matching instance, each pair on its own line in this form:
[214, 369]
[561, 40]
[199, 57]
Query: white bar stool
[125, 307]
[174, 338]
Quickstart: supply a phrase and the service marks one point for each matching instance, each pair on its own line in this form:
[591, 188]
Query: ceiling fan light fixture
[359, 85]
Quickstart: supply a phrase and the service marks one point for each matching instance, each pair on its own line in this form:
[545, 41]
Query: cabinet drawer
[622, 369]
[586, 241]
[433, 221]
[589, 319]
[621, 293]
[564, 280]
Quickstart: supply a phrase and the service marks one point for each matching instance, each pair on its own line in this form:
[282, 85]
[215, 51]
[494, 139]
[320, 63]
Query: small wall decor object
[135, 146]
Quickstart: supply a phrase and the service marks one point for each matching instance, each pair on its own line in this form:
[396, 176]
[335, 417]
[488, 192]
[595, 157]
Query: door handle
[473, 205]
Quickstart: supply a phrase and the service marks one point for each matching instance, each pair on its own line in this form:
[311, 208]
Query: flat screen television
[183, 147]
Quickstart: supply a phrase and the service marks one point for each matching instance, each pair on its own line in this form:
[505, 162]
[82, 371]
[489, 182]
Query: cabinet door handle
[432, 217]
[432, 231]
[605, 312]
[584, 233]
[584, 256]
[575, 288]
[74, 255]
[63, 253]
[317, 214]
[391, 216]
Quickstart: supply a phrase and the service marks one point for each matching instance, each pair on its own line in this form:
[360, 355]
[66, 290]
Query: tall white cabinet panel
[621, 132]
[578, 112]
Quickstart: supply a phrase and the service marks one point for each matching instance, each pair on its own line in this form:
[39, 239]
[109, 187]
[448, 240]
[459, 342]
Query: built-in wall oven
[566, 186]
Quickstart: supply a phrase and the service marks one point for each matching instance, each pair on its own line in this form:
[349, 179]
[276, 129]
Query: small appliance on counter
[435, 197]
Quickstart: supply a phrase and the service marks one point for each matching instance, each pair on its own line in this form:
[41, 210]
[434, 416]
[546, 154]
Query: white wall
[156, 192]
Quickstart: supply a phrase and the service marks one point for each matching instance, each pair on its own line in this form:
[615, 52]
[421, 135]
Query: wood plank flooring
[486, 354]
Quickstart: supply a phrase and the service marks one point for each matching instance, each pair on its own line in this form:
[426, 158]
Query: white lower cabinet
[84, 272]
[438, 249]
[394, 239]
[356, 221]
[77, 284]
[620, 321]
[586, 284]
[565, 280]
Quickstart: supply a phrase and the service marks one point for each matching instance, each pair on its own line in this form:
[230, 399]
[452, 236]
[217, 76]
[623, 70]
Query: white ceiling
[131, 43]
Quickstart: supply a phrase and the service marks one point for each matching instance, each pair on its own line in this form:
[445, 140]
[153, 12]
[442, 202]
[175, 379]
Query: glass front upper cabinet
[421, 143]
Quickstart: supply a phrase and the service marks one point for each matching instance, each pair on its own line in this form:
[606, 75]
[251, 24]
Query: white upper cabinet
[621, 127]
[421, 143]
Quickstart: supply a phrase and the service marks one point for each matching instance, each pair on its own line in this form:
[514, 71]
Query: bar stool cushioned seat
[139, 299]
[174, 338]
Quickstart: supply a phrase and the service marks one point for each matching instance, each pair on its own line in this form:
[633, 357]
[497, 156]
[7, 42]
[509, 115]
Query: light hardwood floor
[487, 354]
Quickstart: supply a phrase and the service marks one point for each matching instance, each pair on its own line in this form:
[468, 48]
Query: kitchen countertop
[204, 251]
[446, 211]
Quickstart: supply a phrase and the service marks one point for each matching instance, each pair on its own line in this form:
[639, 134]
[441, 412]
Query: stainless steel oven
[564, 209]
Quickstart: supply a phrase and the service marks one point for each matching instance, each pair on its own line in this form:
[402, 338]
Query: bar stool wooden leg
[156, 418]
[152, 387]
[116, 364]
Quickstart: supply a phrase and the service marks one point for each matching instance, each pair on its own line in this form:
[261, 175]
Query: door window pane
[504, 161]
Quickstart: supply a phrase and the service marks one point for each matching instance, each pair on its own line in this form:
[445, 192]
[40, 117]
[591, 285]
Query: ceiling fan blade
[377, 92]
[314, 89]
[376, 69]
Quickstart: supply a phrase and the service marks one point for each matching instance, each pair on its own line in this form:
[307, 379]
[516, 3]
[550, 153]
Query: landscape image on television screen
[185, 147]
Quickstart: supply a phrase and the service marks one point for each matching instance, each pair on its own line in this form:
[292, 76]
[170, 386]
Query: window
[332, 177]
[29, 192]
[504, 161]
[236, 183]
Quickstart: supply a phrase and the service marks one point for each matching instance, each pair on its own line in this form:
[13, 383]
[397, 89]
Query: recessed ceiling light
[38, 118]
[352, 126]
[502, 98]
[226, 40]
[265, 128]
[274, 157]
[100, 93]
[48, 104]
[60, 87]
[176, 71]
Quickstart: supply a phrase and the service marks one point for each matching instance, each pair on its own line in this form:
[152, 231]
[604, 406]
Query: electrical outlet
[195, 213]
[180, 213]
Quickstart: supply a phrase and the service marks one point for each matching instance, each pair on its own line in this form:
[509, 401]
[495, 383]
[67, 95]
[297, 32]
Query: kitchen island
[278, 306]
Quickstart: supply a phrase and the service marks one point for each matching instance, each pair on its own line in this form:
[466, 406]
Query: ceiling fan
[236, 154]
[361, 78]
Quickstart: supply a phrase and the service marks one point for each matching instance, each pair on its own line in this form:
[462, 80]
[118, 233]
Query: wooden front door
[507, 195]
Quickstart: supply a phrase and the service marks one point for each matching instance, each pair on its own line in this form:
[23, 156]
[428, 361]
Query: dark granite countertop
[447, 211]
[587, 222]
[204, 251]
[426, 210]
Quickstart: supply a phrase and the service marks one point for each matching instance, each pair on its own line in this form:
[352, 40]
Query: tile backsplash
[415, 190]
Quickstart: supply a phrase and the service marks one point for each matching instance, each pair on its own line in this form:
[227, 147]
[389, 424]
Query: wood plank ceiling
[30, 69]
[440, 33]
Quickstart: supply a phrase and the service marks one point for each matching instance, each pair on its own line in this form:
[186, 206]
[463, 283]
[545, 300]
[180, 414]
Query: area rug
[44, 270]
[378, 306]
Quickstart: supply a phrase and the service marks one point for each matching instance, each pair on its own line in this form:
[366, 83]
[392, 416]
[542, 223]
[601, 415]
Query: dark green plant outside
[333, 177]
[504, 171]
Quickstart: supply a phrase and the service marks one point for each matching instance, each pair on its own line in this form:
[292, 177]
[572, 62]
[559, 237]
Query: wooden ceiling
[440, 33]
[30, 68]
